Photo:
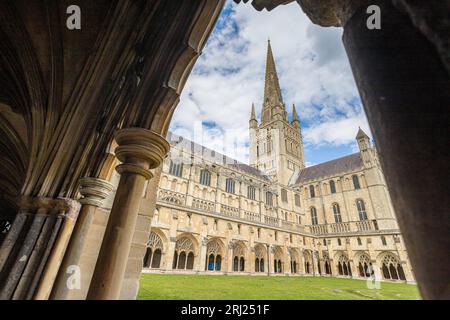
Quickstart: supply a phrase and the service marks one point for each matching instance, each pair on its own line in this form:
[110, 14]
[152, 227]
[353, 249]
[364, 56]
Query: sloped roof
[344, 164]
[213, 156]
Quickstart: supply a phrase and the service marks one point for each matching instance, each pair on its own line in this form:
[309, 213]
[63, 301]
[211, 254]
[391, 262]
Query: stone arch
[214, 254]
[343, 264]
[363, 264]
[185, 252]
[294, 260]
[239, 256]
[278, 259]
[391, 267]
[260, 257]
[326, 263]
[307, 255]
[155, 250]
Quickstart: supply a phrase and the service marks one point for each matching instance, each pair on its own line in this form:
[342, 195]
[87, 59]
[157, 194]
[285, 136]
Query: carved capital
[140, 150]
[94, 191]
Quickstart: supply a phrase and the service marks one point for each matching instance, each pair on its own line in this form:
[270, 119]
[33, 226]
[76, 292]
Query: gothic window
[176, 169]
[284, 196]
[356, 184]
[153, 254]
[184, 254]
[260, 253]
[383, 240]
[269, 198]
[392, 269]
[214, 257]
[205, 177]
[324, 242]
[313, 216]
[251, 192]
[361, 209]
[297, 200]
[365, 267]
[290, 238]
[239, 260]
[312, 192]
[337, 213]
[229, 185]
[332, 186]
[344, 268]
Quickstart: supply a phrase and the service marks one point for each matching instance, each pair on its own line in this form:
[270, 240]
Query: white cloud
[313, 70]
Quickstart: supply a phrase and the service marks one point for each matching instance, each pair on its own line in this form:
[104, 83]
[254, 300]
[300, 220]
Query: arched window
[314, 216]
[284, 196]
[229, 185]
[153, 255]
[251, 192]
[205, 177]
[312, 192]
[332, 186]
[356, 184]
[213, 253]
[339, 241]
[324, 242]
[365, 267]
[344, 268]
[176, 169]
[260, 253]
[297, 200]
[361, 209]
[184, 254]
[392, 269]
[239, 257]
[359, 241]
[337, 213]
[383, 241]
[269, 198]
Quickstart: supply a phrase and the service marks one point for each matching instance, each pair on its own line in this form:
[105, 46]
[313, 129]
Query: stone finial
[94, 191]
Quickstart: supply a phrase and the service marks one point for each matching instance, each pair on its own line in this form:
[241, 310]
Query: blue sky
[228, 77]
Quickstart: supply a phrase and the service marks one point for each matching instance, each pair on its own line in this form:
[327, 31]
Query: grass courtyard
[205, 287]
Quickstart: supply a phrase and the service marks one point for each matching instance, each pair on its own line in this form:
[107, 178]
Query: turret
[253, 123]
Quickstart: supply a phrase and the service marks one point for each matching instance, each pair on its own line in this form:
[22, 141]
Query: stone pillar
[202, 258]
[230, 258]
[139, 150]
[334, 272]
[404, 86]
[13, 235]
[94, 191]
[170, 253]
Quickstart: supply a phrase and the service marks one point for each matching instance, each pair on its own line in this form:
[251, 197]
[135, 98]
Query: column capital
[94, 191]
[331, 13]
[137, 145]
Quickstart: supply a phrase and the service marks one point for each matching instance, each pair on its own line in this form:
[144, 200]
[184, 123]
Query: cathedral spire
[272, 91]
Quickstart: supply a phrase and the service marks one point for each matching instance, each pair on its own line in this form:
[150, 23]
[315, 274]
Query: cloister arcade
[240, 258]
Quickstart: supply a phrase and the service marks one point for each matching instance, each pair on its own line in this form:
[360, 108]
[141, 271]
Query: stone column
[94, 191]
[230, 258]
[13, 235]
[202, 258]
[139, 150]
[334, 272]
[170, 253]
[404, 86]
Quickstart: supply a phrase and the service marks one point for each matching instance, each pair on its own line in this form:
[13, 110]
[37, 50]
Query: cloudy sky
[229, 76]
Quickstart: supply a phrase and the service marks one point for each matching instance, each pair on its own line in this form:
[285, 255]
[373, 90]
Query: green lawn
[204, 287]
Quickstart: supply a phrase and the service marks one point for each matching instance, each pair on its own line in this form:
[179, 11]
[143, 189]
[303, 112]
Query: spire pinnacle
[294, 114]
[272, 91]
[361, 134]
[253, 115]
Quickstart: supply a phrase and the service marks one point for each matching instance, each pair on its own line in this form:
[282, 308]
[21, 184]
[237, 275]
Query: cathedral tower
[276, 145]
